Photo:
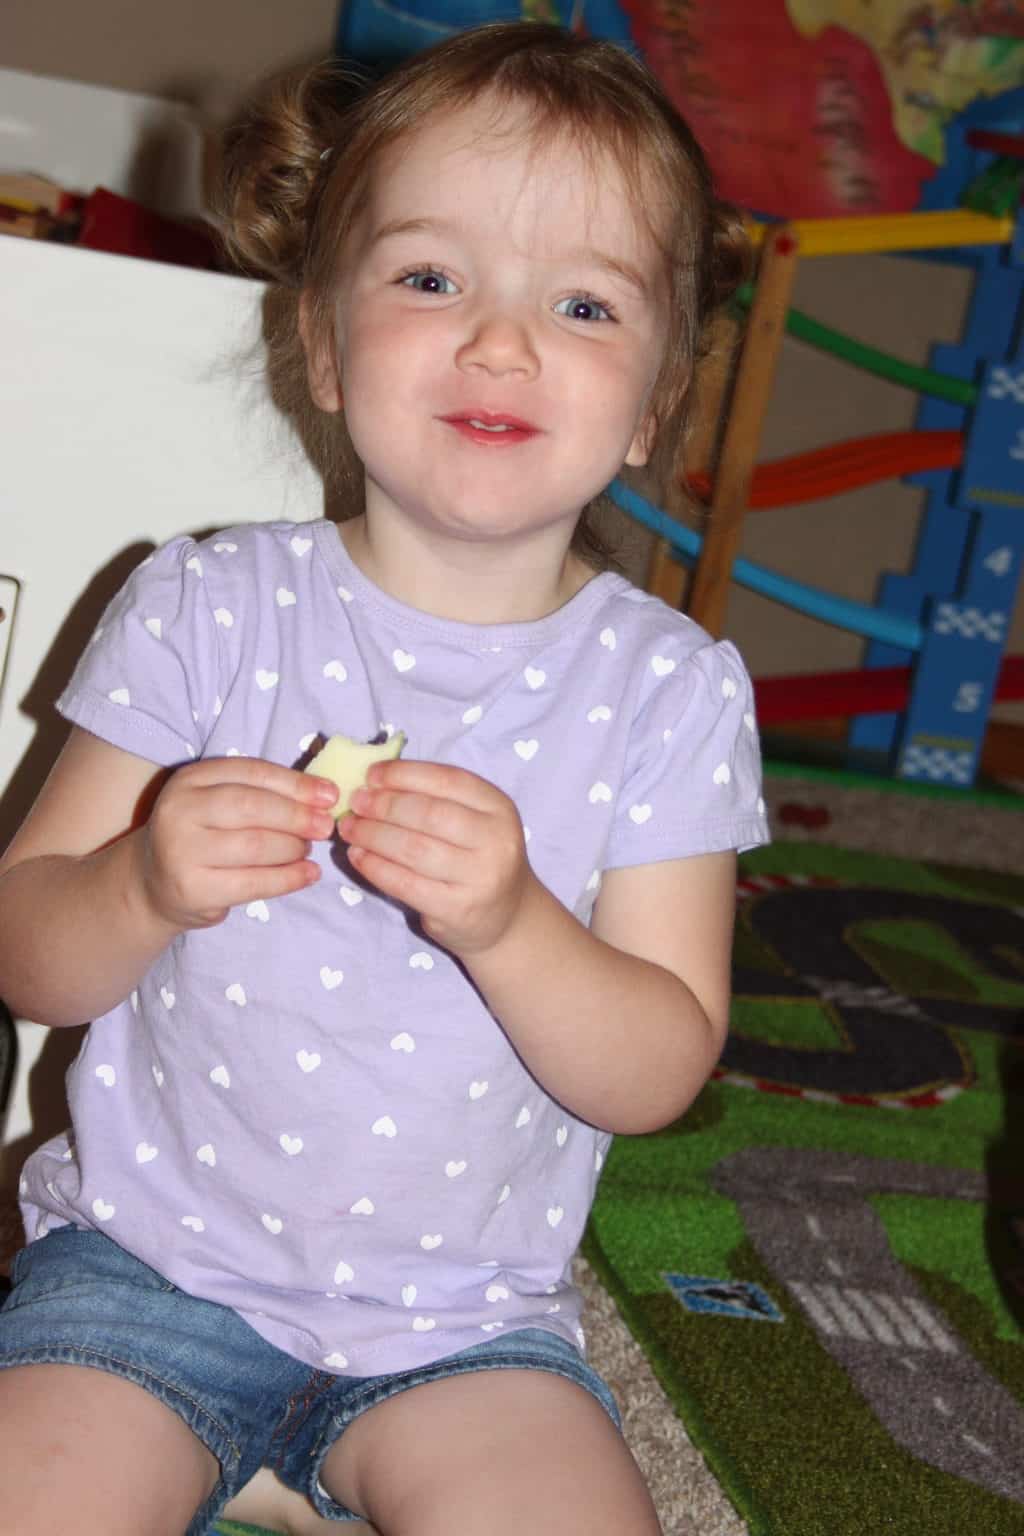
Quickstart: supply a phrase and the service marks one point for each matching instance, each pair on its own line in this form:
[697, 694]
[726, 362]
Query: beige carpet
[689, 1500]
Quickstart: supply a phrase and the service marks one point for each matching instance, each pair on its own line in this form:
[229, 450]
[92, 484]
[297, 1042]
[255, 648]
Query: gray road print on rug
[808, 1216]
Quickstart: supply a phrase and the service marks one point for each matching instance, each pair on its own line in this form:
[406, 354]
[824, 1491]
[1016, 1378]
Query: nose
[500, 343]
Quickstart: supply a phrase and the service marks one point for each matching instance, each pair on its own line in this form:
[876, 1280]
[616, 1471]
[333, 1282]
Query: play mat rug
[824, 1259]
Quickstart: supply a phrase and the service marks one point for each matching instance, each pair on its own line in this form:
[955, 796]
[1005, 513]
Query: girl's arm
[117, 857]
[623, 1023]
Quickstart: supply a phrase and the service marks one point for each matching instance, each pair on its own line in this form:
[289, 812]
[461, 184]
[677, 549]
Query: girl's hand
[446, 843]
[228, 830]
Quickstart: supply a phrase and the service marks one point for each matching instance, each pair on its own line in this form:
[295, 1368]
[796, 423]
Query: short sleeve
[148, 679]
[692, 781]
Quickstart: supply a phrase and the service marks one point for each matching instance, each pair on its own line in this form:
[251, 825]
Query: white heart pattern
[555, 1214]
[225, 549]
[224, 617]
[195, 1222]
[101, 1209]
[409, 1294]
[749, 721]
[599, 791]
[220, 1076]
[722, 774]
[273, 1224]
[144, 1153]
[639, 814]
[300, 545]
[421, 961]
[431, 1240]
[350, 896]
[194, 564]
[562, 1135]
[472, 714]
[424, 1324]
[158, 1076]
[662, 665]
[265, 680]
[336, 1360]
[236, 994]
[167, 998]
[343, 1273]
[308, 1060]
[535, 677]
[285, 597]
[607, 638]
[506, 1190]
[385, 1126]
[207, 1155]
[259, 910]
[477, 1090]
[363, 1207]
[404, 662]
[497, 1292]
[155, 628]
[454, 1169]
[337, 670]
[523, 1118]
[403, 1042]
[120, 696]
[290, 1144]
[106, 1075]
[599, 712]
[330, 979]
[527, 750]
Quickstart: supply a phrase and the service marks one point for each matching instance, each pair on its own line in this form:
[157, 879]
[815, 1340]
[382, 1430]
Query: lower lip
[510, 438]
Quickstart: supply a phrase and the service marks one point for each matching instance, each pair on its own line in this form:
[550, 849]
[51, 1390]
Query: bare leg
[88, 1452]
[266, 1501]
[491, 1453]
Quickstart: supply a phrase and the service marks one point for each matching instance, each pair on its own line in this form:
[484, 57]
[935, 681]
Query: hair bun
[732, 255]
[274, 168]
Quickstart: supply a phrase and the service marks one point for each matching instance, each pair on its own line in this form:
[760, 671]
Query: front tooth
[484, 427]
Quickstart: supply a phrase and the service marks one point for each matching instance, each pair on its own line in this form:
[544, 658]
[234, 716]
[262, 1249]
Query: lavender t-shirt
[308, 1113]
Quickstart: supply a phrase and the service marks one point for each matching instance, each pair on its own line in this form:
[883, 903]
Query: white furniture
[132, 407]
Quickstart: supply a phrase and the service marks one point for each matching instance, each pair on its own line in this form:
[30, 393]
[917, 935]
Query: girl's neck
[465, 581]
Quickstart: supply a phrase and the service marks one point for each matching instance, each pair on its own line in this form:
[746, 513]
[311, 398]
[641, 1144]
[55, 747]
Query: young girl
[339, 1118]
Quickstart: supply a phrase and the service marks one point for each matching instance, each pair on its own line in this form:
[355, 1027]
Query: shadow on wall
[46, 1082]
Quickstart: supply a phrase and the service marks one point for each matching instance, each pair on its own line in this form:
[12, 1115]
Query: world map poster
[816, 108]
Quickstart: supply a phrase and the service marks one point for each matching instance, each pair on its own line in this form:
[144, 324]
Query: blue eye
[427, 280]
[582, 307]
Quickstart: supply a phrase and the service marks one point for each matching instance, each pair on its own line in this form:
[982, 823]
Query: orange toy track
[839, 695]
[845, 466]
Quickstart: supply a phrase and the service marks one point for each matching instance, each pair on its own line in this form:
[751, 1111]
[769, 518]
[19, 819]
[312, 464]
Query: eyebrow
[586, 254]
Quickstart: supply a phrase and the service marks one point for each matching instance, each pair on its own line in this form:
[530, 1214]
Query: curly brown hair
[297, 168]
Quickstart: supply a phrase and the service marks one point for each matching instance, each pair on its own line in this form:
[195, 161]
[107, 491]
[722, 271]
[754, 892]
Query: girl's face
[498, 329]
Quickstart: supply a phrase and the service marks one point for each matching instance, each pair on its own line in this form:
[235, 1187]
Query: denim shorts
[78, 1298]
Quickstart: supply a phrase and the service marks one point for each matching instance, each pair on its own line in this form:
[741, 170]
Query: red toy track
[845, 466]
[839, 695]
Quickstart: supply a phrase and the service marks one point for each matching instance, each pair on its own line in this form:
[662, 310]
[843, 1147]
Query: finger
[227, 806]
[412, 888]
[415, 851]
[258, 773]
[253, 848]
[450, 821]
[232, 888]
[442, 780]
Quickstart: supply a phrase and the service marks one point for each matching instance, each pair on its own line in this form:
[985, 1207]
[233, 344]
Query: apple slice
[347, 762]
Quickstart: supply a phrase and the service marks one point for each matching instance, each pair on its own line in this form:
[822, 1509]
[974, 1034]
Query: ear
[321, 363]
[643, 441]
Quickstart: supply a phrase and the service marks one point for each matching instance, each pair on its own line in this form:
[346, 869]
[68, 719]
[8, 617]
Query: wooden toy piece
[347, 762]
[31, 193]
[666, 575]
[754, 380]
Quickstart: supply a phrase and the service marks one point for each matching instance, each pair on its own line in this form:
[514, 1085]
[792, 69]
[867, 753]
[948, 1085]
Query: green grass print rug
[824, 1259]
